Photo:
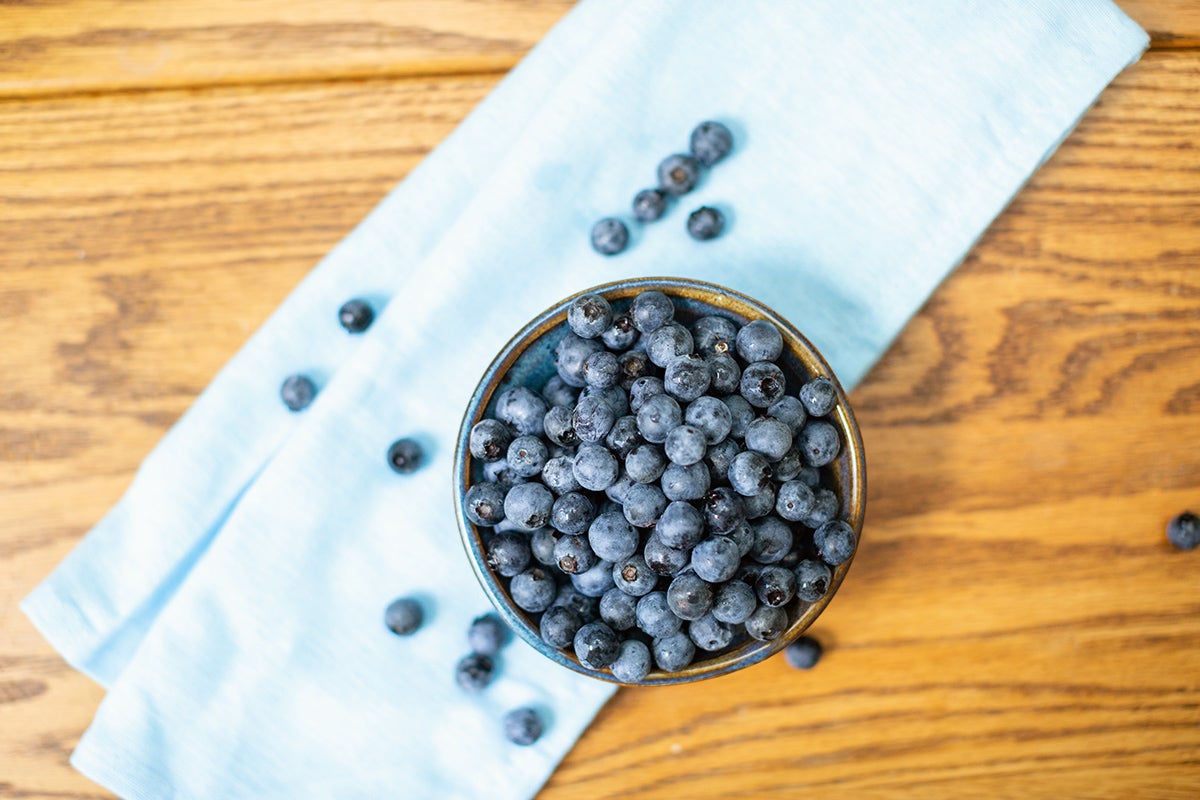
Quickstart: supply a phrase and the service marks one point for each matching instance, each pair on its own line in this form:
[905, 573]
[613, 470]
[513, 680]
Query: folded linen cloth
[873, 147]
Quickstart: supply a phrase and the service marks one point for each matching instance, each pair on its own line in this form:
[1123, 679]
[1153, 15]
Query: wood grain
[1015, 624]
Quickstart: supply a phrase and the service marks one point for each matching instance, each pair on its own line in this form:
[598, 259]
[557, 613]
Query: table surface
[1015, 623]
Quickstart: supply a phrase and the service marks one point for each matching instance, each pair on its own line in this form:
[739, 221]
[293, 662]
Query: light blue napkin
[237, 589]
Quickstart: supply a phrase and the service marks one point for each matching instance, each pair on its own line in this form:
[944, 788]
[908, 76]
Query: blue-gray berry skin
[522, 409]
[654, 616]
[499, 473]
[668, 342]
[812, 580]
[819, 443]
[532, 590]
[687, 377]
[649, 205]
[633, 576]
[474, 672]
[574, 554]
[710, 416]
[761, 504]
[612, 537]
[559, 625]
[617, 492]
[559, 427]
[657, 417]
[489, 440]
[645, 463]
[710, 142]
[403, 616]
[559, 475]
[790, 410]
[487, 634]
[508, 553]
[589, 315]
[733, 602]
[749, 473]
[405, 456]
[818, 396]
[716, 559]
[528, 506]
[596, 468]
[741, 414]
[719, 458]
[759, 340]
[642, 390]
[791, 559]
[772, 540]
[770, 437]
[522, 726]
[705, 223]
[541, 544]
[623, 436]
[681, 526]
[297, 392]
[685, 445]
[651, 310]
[596, 581]
[723, 509]
[596, 645]
[618, 610]
[587, 607]
[610, 236]
[484, 503]
[714, 336]
[794, 501]
[570, 354]
[601, 370]
[835, 542]
[824, 509]
[810, 477]
[767, 623]
[572, 513]
[775, 586]
[804, 653]
[633, 662]
[689, 596]
[527, 455]
[620, 333]
[356, 316]
[678, 174]
[674, 652]
[726, 374]
[633, 364]
[709, 633]
[685, 483]
[1183, 531]
[644, 504]
[615, 396]
[762, 384]
[592, 418]
[788, 468]
[556, 392]
[664, 560]
[743, 536]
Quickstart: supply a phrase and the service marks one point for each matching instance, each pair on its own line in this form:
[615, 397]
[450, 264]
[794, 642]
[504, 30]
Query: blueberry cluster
[486, 636]
[678, 174]
[663, 491]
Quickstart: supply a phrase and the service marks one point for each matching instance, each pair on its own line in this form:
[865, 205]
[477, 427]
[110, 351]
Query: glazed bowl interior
[528, 360]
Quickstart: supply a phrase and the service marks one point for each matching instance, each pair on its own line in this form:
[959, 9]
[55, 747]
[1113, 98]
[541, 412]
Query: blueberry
[654, 616]
[674, 652]
[664, 560]
[719, 458]
[687, 377]
[685, 445]
[403, 616]
[556, 392]
[633, 662]
[643, 389]
[649, 205]
[678, 174]
[824, 508]
[601, 370]
[574, 555]
[356, 316]
[772, 540]
[759, 341]
[685, 483]
[794, 501]
[767, 623]
[609, 236]
[651, 310]
[596, 468]
[819, 443]
[1183, 531]
[618, 609]
[541, 543]
[570, 354]
[775, 585]
[770, 437]
[644, 504]
[714, 336]
[668, 342]
[715, 559]
[596, 581]
[592, 419]
[523, 410]
[528, 506]
[559, 625]
[809, 476]
[789, 467]
[522, 726]
[614, 396]
[405, 456]
[743, 536]
[588, 608]
[711, 141]
[790, 411]
[508, 553]
[527, 455]
[726, 375]
[297, 392]
[617, 492]
[474, 672]
[623, 437]
[572, 513]
[818, 396]
[631, 366]
[484, 503]
[589, 315]
[596, 645]
[804, 653]
[681, 526]
[705, 223]
[487, 634]
[723, 509]
[489, 440]
[633, 576]
[559, 427]
[762, 384]
[812, 580]
[709, 633]
[710, 416]
[612, 537]
[532, 590]
[749, 473]
[498, 472]
[689, 597]
[741, 414]
[761, 504]
[620, 333]
[733, 602]
[559, 475]
[645, 463]
[748, 573]
[657, 417]
[835, 541]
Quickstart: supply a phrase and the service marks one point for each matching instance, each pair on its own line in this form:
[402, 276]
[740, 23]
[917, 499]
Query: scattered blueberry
[405, 456]
[804, 653]
[705, 223]
[297, 392]
[1183, 531]
[609, 236]
[356, 316]
[487, 634]
[522, 726]
[711, 142]
[474, 672]
[649, 205]
[678, 174]
[403, 616]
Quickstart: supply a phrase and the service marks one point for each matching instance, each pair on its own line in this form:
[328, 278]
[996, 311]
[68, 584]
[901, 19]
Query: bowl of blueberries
[659, 481]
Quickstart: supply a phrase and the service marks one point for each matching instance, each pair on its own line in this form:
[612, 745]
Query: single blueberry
[405, 456]
[741, 414]
[711, 141]
[711, 416]
[572, 513]
[559, 625]
[620, 333]
[570, 354]
[528, 506]
[812, 580]
[616, 493]
[532, 590]
[574, 555]
[681, 526]
[716, 559]
[674, 652]
[1183, 531]
[489, 440]
[508, 553]
[772, 540]
[609, 236]
[794, 501]
[559, 475]
[614, 396]
[685, 445]
[484, 503]
[522, 726]
[685, 483]
[356, 316]
[556, 392]
[596, 645]
[759, 340]
[592, 419]
[596, 581]
[709, 633]
[523, 410]
[601, 370]
[541, 543]
[527, 455]
[612, 537]
[819, 443]
[651, 310]
[714, 336]
[770, 437]
[767, 623]
[818, 396]
[719, 458]
[633, 662]
[403, 616]
[726, 374]
[589, 315]
[789, 410]
[664, 560]
[804, 653]
[705, 223]
[667, 343]
[761, 504]
[657, 417]
[654, 616]
[649, 205]
[644, 504]
[618, 610]
[559, 427]
[633, 576]
[297, 392]
[631, 366]
[687, 377]
[723, 509]
[733, 602]
[645, 463]
[835, 541]
[689, 597]
[824, 509]
[474, 672]
[596, 468]
[749, 473]
[762, 384]
[623, 437]
[678, 174]
[775, 585]
[487, 634]
[642, 390]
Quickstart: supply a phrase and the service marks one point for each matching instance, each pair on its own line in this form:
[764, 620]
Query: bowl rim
[751, 652]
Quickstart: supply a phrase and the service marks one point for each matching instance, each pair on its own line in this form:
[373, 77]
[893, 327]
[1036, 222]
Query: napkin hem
[62, 623]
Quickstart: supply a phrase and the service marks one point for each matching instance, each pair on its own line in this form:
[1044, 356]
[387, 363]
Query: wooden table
[1015, 624]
